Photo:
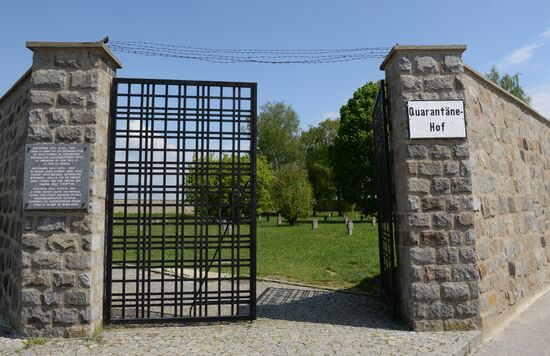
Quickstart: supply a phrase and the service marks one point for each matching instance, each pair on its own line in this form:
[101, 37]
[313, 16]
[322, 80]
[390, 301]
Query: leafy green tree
[318, 143]
[264, 182]
[207, 185]
[292, 192]
[508, 82]
[278, 134]
[215, 192]
[352, 159]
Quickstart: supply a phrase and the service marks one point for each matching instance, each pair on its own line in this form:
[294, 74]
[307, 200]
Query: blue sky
[514, 35]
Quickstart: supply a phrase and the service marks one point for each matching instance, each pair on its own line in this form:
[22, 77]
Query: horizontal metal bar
[179, 320]
[199, 83]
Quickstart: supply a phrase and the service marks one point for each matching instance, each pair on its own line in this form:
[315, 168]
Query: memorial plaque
[57, 176]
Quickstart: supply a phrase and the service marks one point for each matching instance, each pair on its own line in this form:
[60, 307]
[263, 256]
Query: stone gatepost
[63, 256]
[437, 270]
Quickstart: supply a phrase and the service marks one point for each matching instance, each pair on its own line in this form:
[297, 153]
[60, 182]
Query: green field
[324, 257]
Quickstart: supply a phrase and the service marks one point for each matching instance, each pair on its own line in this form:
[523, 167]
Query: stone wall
[472, 214]
[63, 259]
[13, 134]
[510, 154]
[52, 262]
[437, 272]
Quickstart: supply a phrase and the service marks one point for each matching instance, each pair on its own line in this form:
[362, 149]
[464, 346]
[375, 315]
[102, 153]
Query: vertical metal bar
[109, 202]
[389, 197]
[206, 119]
[145, 236]
[197, 202]
[200, 218]
[183, 177]
[380, 167]
[150, 151]
[234, 308]
[140, 269]
[125, 229]
[220, 202]
[164, 161]
[239, 190]
[178, 277]
[384, 202]
[252, 211]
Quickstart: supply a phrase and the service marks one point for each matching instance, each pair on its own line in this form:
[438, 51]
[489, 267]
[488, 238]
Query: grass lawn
[325, 257]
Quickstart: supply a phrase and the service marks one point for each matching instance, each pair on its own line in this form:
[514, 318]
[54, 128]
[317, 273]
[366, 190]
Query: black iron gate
[181, 243]
[384, 198]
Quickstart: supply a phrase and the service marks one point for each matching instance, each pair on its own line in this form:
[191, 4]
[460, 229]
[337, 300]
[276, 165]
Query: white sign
[436, 119]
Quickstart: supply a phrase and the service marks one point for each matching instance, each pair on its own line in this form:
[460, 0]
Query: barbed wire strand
[267, 55]
[261, 56]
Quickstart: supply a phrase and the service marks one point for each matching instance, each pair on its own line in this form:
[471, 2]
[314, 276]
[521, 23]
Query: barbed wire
[262, 56]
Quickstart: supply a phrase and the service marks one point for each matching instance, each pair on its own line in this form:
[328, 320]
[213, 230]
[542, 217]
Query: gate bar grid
[172, 216]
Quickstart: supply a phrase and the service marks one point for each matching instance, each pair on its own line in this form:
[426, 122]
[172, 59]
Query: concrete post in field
[349, 227]
[437, 271]
[63, 249]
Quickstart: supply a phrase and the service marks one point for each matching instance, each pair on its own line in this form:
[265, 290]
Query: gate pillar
[435, 241]
[62, 250]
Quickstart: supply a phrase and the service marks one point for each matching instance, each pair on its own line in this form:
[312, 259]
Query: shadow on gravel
[327, 307]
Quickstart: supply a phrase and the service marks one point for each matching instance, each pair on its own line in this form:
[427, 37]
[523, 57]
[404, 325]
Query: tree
[214, 190]
[318, 143]
[292, 192]
[264, 182]
[508, 82]
[278, 134]
[208, 185]
[352, 159]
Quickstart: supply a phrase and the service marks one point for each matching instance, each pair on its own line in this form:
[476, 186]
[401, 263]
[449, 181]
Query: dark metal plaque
[57, 176]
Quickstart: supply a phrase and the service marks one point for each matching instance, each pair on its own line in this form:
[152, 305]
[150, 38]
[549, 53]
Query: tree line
[328, 167]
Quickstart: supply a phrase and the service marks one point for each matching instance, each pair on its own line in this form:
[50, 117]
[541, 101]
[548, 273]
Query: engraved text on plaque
[56, 176]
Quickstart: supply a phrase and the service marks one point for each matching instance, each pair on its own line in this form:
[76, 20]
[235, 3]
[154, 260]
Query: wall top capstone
[32, 45]
[421, 48]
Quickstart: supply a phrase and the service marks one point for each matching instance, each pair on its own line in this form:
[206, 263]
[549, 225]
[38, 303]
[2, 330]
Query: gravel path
[291, 320]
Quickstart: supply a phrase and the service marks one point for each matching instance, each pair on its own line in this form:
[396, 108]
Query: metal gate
[181, 202]
[384, 198]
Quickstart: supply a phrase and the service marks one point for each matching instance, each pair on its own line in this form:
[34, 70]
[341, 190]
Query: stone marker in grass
[227, 227]
[314, 224]
[349, 226]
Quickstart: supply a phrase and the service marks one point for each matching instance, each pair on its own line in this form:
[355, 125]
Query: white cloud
[331, 115]
[520, 55]
[523, 54]
[541, 99]
[545, 34]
